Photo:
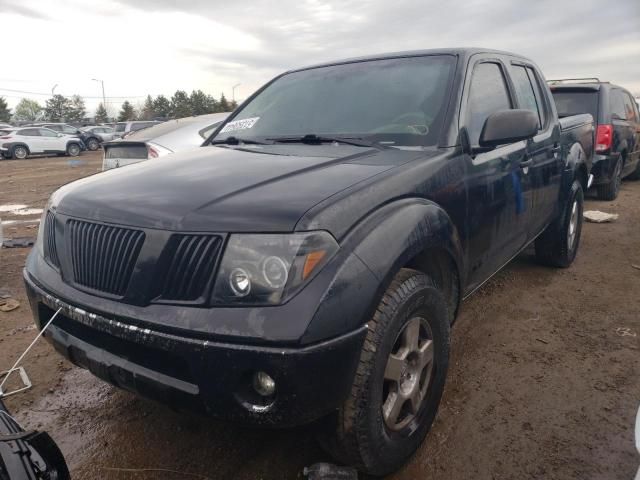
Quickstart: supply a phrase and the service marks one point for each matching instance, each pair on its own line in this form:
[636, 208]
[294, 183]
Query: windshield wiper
[236, 141]
[313, 139]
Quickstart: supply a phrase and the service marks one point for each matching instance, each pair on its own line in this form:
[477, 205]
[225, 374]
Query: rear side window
[540, 95]
[45, 132]
[487, 94]
[630, 107]
[575, 102]
[69, 129]
[524, 92]
[120, 127]
[618, 110]
[57, 128]
[30, 132]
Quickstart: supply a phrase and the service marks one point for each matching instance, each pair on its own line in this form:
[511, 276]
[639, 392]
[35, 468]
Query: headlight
[265, 269]
[41, 229]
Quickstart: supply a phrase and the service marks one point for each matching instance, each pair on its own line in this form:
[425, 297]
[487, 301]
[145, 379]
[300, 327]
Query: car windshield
[399, 101]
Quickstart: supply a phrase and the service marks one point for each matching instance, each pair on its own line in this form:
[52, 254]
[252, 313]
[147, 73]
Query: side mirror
[508, 126]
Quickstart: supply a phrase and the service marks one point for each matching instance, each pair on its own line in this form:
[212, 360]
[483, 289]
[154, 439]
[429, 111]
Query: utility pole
[104, 99]
[233, 92]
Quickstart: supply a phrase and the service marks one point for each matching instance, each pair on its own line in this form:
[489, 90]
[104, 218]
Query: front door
[497, 184]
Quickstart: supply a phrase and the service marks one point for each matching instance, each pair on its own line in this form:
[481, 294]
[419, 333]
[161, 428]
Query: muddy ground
[544, 380]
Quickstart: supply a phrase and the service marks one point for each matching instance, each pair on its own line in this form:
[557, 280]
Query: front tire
[93, 144]
[558, 245]
[399, 380]
[73, 149]
[609, 191]
[19, 152]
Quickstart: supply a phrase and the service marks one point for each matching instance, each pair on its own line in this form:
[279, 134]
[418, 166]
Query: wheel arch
[415, 233]
[576, 168]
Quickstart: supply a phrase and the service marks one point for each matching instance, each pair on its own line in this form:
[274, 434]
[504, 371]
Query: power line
[83, 96]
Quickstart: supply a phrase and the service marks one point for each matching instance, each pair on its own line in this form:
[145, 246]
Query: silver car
[160, 140]
[105, 133]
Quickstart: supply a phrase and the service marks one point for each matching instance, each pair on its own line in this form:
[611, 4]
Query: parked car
[90, 141]
[20, 143]
[5, 125]
[308, 260]
[26, 455]
[160, 140]
[617, 128]
[124, 128]
[103, 133]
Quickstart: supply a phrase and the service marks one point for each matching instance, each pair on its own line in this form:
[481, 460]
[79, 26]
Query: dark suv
[617, 128]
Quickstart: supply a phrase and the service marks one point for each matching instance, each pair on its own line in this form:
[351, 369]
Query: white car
[19, 143]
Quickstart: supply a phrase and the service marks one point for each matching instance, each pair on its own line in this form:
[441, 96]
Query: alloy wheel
[573, 226]
[408, 374]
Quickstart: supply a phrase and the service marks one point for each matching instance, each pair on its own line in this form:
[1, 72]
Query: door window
[30, 132]
[45, 132]
[540, 96]
[618, 112]
[57, 128]
[487, 94]
[630, 108]
[524, 92]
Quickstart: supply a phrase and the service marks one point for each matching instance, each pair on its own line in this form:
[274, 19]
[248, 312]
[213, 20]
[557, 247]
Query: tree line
[72, 109]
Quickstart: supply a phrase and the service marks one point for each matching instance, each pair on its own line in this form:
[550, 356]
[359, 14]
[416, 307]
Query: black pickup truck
[307, 262]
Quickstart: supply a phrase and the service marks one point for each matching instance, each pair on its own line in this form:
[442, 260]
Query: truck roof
[460, 52]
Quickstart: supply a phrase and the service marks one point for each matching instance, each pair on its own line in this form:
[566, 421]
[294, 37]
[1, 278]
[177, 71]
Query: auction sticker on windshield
[243, 124]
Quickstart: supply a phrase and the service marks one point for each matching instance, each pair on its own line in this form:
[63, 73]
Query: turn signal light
[604, 138]
[311, 262]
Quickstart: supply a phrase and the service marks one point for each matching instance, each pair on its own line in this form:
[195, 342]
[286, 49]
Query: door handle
[526, 163]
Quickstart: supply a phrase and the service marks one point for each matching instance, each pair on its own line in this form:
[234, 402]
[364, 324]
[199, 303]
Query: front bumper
[199, 374]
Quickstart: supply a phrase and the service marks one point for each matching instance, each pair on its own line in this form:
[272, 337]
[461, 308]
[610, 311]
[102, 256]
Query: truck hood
[225, 189]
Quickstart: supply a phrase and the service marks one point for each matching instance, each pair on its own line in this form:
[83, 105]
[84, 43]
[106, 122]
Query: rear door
[544, 171]
[624, 130]
[496, 226]
[31, 136]
[633, 118]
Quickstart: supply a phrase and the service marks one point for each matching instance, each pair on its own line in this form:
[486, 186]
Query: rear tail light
[604, 138]
[152, 152]
[6, 137]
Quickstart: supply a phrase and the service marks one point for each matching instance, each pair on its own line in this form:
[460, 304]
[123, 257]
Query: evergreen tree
[162, 106]
[27, 110]
[101, 114]
[180, 105]
[200, 103]
[223, 104]
[148, 111]
[127, 112]
[77, 110]
[57, 108]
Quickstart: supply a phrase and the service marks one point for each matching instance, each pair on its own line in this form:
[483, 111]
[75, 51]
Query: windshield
[398, 101]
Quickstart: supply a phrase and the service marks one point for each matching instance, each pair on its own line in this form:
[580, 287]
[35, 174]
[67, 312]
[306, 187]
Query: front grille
[103, 256]
[50, 249]
[191, 260]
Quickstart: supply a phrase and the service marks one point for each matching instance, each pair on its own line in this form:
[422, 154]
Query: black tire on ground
[73, 149]
[19, 152]
[378, 428]
[610, 190]
[93, 144]
[636, 173]
[558, 245]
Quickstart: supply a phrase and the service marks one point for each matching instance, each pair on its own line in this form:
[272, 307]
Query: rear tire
[610, 190]
[93, 144]
[399, 380]
[73, 149]
[19, 152]
[558, 245]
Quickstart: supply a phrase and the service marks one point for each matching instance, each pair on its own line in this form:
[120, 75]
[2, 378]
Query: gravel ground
[544, 379]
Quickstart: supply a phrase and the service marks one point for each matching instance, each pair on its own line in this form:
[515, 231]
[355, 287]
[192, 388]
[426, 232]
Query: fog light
[264, 384]
[240, 282]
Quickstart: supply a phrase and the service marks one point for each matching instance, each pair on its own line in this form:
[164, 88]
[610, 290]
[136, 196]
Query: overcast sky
[141, 47]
